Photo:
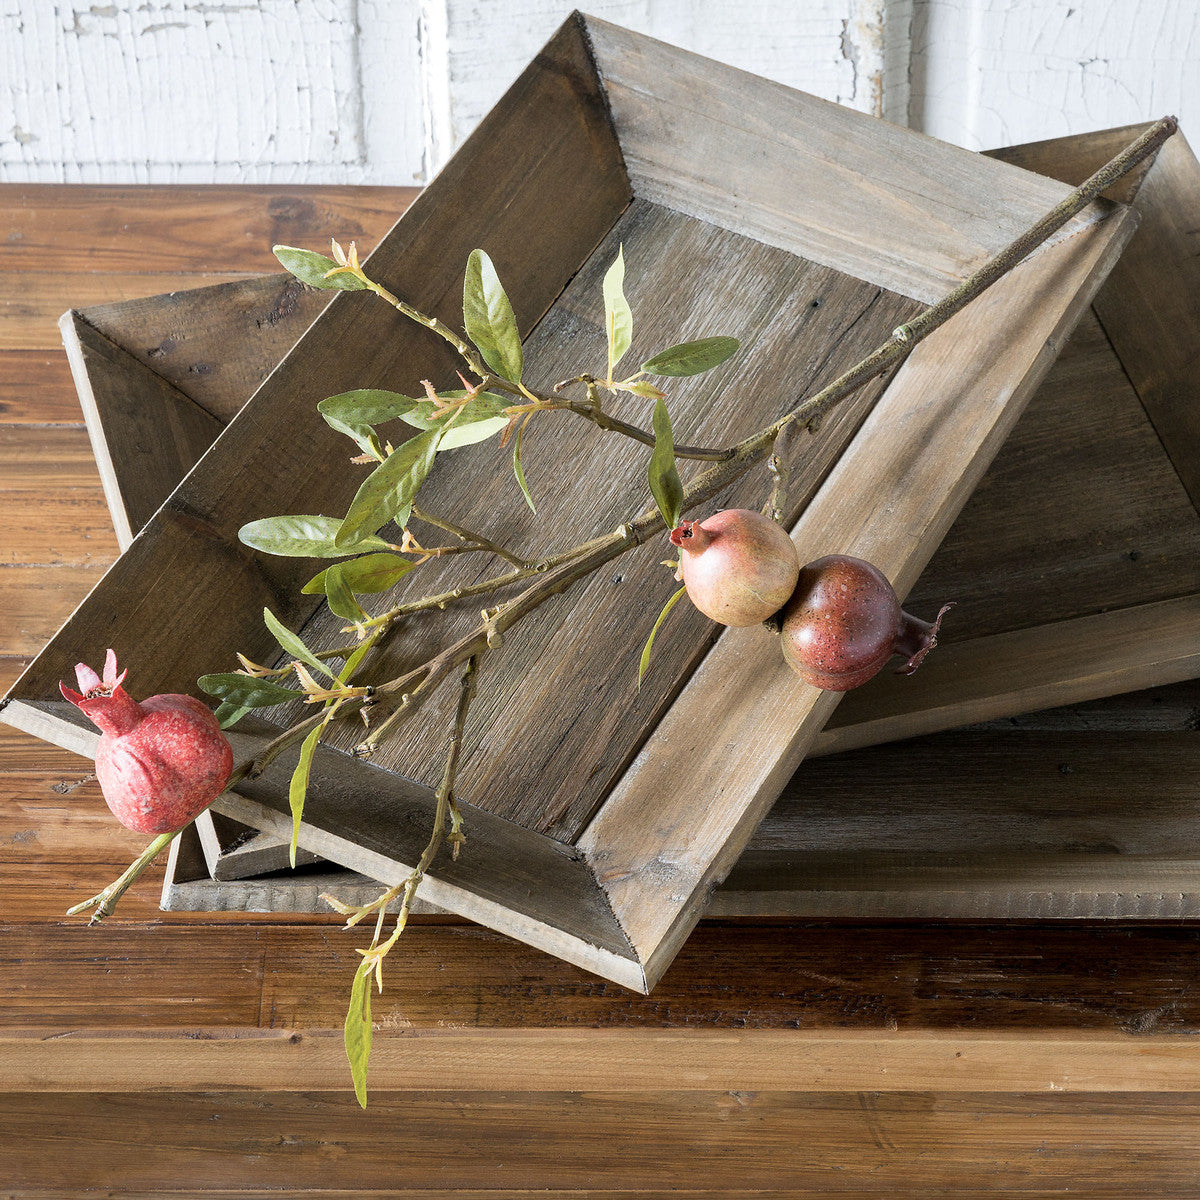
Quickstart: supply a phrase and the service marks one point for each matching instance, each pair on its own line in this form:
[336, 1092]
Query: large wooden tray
[601, 818]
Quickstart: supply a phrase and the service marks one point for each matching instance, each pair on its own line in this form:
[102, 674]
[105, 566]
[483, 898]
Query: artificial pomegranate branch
[560, 571]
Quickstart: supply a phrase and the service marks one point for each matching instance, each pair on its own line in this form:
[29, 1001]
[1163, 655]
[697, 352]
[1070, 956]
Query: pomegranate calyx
[916, 638]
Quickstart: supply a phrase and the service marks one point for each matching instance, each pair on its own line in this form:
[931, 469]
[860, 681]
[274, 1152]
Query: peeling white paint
[381, 91]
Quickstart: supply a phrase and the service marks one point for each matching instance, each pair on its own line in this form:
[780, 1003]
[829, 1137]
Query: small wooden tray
[601, 817]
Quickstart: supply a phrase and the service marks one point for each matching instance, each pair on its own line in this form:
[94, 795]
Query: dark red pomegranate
[844, 622]
[739, 567]
[160, 763]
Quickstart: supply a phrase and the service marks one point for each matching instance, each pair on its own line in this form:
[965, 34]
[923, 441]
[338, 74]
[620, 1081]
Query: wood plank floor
[146, 976]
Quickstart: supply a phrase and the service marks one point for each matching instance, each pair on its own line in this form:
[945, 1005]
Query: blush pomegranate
[844, 622]
[160, 762]
[738, 566]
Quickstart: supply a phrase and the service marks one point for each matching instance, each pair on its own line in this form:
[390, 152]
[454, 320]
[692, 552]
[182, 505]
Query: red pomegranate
[160, 763]
[844, 622]
[739, 567]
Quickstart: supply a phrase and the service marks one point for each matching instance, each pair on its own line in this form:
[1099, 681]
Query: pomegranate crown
[690, 536]
[92, 687]
[104, 701]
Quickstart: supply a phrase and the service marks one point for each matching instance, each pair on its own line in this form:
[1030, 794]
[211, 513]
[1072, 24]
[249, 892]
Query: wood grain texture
[683, 145]
[625, 1061]
[139, 426]
[559, 716]
[1150, 308]
[658, 885]
[511, 1147]
[991, 677]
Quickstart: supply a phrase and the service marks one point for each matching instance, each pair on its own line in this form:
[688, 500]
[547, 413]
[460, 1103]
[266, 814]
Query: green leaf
[369, 574]
[468, 435]
[357, 655]
[303, 537]
[246, 691]
[310, 267]
[388, 491]
[483, 407]
[692, 358]
[618, 318]
[519, 471]
[341, 599]
[489, 320]
[292, 645]
[644, 388]
[228, 713]
[298, 788]
[665, 484]
[662, 616]
[355, 413]
[366, 406]
[358, 1030]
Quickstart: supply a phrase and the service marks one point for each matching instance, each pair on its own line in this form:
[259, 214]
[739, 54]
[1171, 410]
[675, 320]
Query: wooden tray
[1077, 559]
[600, 817]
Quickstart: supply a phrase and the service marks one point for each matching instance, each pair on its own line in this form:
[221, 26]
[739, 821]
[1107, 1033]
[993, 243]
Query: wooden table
[168, 1054]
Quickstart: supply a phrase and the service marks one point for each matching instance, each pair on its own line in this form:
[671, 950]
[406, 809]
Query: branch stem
[104, 902]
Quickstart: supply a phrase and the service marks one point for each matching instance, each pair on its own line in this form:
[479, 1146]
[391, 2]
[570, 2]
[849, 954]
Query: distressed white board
[1003, 72]
[211, 91]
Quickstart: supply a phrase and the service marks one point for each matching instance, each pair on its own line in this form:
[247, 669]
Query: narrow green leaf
[519, 471]
[292, 645]
[303, 537]
[388, 491]
[665, 484]
[692, 358]
[357, 655]
[644, 388]
[358, 1030]
[229, 713]
[366, 406]
[298, 788]
[341, 599]
[247, 691]
[489, 320]
[483, 407]
[369, 574]
[662, 616]
[468, 435]
[310, 267]
[618, 318]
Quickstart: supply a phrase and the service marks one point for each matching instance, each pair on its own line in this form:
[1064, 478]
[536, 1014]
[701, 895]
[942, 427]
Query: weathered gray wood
[140, 426]
[743, 748]
[558, 715]
[1151, 306]
[924, 455]
[901, 210]
[188, 337]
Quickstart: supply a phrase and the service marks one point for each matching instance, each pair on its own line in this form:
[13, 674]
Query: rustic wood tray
[1075, 561]
[601, 818]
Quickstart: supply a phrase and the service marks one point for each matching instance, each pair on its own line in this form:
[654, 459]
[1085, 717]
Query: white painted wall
[380, 91]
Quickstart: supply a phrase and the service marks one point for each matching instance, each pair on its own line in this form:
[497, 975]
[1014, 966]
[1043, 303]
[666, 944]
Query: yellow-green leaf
[310, 267]
[388, 491]
[665, 484]
[662, 616]
[293, 645]
[367, 575]
[489, 320]
[618, 317]
[358, 1030]
[298, 788]
[303, 537]
[519, 471]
